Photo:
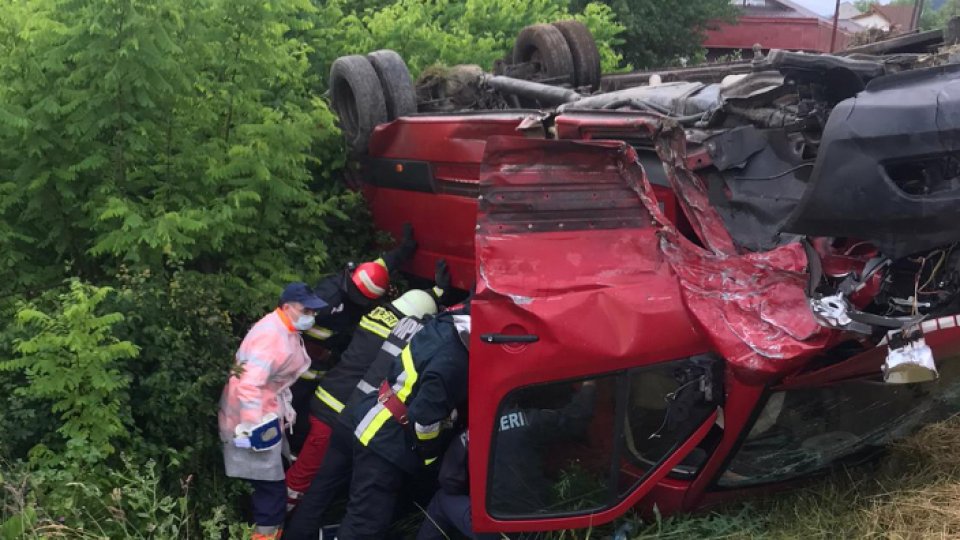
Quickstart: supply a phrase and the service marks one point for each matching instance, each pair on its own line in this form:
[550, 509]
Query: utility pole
[836, 23]
[915, 16]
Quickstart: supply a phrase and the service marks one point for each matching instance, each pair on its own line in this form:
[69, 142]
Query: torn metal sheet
[542, 234]
[752, 307]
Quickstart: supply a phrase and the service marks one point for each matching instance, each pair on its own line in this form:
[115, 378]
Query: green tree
[452, 31]
[73, 362]
[151, 131]
[659, 32]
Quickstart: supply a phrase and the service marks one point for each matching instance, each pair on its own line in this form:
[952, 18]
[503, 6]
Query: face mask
[304, 322]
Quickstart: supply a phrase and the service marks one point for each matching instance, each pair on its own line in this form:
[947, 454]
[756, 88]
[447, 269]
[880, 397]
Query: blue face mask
[304, 322]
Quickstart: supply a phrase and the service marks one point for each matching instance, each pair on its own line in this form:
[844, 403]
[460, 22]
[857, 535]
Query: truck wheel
[583, 50]
[544, 46]
[357, 99]
[395, 80]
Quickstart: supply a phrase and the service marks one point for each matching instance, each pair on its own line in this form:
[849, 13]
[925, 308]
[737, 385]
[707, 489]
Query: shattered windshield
[800, 432]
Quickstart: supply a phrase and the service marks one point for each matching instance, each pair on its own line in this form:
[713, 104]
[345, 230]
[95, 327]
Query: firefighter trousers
[302, 472]
[333, 476]
[374, 488]
[448, 513]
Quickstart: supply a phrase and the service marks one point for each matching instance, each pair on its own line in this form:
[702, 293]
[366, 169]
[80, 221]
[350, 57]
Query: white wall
[873, 20]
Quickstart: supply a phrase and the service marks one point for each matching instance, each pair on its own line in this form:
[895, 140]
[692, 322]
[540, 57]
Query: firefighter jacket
[430, 378]
[271, 357]
[335, 323]
[525, 438]
[338, 384]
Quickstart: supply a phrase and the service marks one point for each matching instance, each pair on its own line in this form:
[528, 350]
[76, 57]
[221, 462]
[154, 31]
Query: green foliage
[154, 131]
[72, 361]
[130, 503]
[456, 31]
[660, 32]
[938, 19]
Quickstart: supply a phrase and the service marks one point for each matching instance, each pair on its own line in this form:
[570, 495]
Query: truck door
[588, 381]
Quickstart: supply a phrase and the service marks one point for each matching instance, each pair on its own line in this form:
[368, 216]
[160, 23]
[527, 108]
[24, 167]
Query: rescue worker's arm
[256, 366]
[436, 399]
[568, 421]
[442, 282]
[395, 258]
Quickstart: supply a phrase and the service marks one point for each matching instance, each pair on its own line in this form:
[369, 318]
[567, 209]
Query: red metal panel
[443, 226]
[594, 296]
[774, 33]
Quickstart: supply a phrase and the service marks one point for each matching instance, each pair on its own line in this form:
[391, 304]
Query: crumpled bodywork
[751, 307]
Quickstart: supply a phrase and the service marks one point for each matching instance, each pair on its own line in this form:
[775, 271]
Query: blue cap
[300, 292]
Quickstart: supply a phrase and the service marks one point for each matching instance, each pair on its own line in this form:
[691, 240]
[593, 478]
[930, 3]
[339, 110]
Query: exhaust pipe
[544, 93]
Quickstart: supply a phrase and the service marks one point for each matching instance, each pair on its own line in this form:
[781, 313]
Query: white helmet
[415, 303]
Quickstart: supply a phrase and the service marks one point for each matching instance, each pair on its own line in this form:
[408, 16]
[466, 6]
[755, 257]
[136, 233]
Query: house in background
[848, 11]
[894, 19]
[775, 24]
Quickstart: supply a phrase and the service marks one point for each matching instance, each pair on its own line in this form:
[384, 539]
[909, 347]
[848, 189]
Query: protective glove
[441, 277]
[241, 438]
[258, 437]
[403, 252]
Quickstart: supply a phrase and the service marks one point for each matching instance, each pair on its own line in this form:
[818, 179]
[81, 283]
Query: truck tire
[357, 99]
[395, 81]
[545, 46]
[583, 50]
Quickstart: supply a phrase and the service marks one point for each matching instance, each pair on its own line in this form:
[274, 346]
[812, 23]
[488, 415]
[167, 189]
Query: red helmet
[372, 278]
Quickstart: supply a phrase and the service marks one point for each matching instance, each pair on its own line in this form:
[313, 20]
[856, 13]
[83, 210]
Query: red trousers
[310, 458]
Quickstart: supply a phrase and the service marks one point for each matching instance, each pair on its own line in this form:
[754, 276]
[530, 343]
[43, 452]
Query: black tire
[583, 50]
[398, 91]
[357, 99]
[545, 46]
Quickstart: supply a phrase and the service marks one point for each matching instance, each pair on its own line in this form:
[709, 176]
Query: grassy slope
[914, 492]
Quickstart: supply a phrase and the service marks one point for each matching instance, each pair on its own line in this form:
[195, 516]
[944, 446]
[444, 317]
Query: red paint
[572, 244]
[799, 34]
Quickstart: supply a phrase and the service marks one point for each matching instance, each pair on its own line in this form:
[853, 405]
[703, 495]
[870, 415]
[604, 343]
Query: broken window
[575, 447]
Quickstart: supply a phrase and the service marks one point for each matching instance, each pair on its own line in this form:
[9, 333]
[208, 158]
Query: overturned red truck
[756, 262]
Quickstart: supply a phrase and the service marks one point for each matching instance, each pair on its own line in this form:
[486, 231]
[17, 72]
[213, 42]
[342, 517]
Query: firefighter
[255, 407]
[349, 295]
[336, 386]
[388, 434]
[525, 433]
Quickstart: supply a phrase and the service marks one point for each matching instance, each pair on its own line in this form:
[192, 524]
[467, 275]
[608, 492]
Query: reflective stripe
[328, 398]
[429, 461]
[319, 332]
[265, 365]
[411, 374]
[391, 349]
[438, 292]
[371, 422]
[312, 374]
[378, 415]
[251, 404]
[366, 387]
[369, 284]
[375, 328]
[426, 433]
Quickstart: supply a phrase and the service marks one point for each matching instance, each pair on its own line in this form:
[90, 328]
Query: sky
[825, 7]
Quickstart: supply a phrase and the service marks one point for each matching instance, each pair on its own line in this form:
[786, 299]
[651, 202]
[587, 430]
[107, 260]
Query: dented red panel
[580, 270]
[752, 307]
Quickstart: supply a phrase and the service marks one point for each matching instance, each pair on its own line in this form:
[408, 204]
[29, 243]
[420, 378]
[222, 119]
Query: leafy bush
[72, 361]
[456, 31]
